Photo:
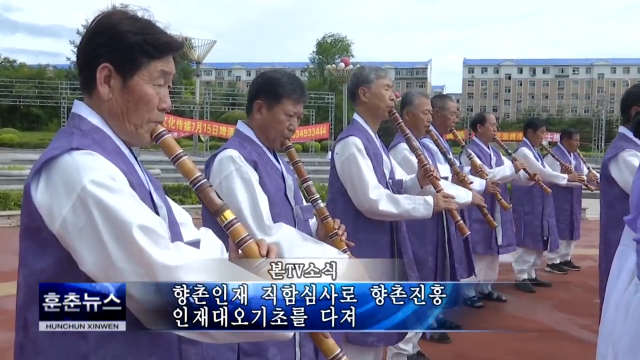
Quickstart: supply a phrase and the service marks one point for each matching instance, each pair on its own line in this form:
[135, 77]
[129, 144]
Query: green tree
[328, 49]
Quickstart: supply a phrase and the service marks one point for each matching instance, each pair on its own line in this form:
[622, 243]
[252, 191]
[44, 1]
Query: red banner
[510, 136]
[181, 127]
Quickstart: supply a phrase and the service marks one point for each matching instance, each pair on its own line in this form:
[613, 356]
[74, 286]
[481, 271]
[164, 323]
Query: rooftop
[551, 62]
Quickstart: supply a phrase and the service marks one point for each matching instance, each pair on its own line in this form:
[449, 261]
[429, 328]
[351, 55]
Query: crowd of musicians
[92, 213]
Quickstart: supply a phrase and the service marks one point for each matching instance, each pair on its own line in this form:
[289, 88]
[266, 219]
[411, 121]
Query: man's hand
[566, 169]
[423, 175]
[337, 226]
[593, 177]
[492, 186]
[478, 200]
[519, 165]
[576, 178]
[443, 201]
[269, 251]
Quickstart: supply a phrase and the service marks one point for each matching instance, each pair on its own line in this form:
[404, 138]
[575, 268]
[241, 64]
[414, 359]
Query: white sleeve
[521, 178]
[623, 168]
[239, 185]
[121, 240]
[545, 173]
[407, 161]
[356, 173]
[555, 167]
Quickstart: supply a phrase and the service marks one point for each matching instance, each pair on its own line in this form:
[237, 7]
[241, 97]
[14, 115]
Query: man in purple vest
[620, 311]
[263, 191]
[440, 253]
[533, 210]
[618, 168]
[371, 194]
[488, 244]
[445, 118]
[567, 201]
[92, 213]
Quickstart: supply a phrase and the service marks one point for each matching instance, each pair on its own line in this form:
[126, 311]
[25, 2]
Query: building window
[561, 70]
[560, 84]
[483, 83]
[247, 84]
[545, 83]
[238, 78]
[575, 71]
[532, 96]
[220, 84]
[575, 83]
[612, 83]
[484, 95]
[574, 110]
[219, 73]
[409, 85]
[494, 109]
[519, 83]
[545, 96]
[207, 73]
[471, 71]
[496, 95]
[507, 116]
[601, 76]
[507, 76]
[613, 70]
[470, 96]
[625, 83]
[421, 84]
[574, 96]
[484, 70]
[249, 73]
[507, 89]
[586, 111]
[612, 97]
[532, 71]
[496, 71]
[560, 96]
[587, 96]
[483, 108]
[469, 109]
[587, 70]
[587, 84]
[546, 70]
[496, 83]
[507, 102]
[398, 86]
[532, 83]
[470, 83]
[229, 72]
[626, 70]
[600, 90]
[520, 70]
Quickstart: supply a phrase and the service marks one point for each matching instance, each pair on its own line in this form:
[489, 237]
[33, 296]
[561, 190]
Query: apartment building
[438, 89]
[569, 87]
[406, 75]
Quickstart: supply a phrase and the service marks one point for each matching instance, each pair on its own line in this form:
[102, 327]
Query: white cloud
[403, 30]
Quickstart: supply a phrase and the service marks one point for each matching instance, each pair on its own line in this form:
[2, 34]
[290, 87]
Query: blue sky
[403, 30]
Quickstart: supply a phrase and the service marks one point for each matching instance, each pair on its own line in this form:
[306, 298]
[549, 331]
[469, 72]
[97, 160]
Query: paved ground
[556, 323]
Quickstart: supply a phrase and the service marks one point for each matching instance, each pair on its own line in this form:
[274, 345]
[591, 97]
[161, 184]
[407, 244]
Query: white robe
[114, 237]
[620, 320]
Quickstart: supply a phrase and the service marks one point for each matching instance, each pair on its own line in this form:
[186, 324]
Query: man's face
[136, 107]
[536, 137]
[490, 128]
[573, 144]
[447, 117]
[277, 123]
[379, 98]
[418, 116]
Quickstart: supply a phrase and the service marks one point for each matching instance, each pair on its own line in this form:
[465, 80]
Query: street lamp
[342, 71]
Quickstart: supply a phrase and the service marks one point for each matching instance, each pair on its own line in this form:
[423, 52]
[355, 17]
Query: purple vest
[616, 202]
[534, 214]
[44, 259]
[274, 186]
[379, 239]
[484, 240]
[568, 201]
[437, 257]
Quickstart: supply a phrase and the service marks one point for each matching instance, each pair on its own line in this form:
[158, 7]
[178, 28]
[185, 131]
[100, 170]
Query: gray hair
[440, 101]
[364, 76]
[410, 98]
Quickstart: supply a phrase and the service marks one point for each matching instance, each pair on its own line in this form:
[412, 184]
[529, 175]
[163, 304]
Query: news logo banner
[82, 306]
[302, 307]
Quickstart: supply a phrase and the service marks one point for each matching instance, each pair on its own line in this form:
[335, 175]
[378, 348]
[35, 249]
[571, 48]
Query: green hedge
[180, 193]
